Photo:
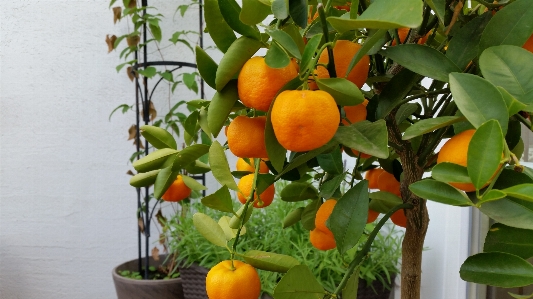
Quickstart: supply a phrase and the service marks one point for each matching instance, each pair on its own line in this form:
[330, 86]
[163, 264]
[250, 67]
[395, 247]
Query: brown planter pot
[145, 289]
[193, 278]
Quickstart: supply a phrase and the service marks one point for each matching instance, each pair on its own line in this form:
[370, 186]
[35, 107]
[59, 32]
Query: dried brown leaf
[153, 112]
[110, 41]
[132, 131]
[133, 40]
[162, 239]
[160, 218]
[132, 4]
[130, 173]
[117, 14]
[140, 144]
[131, 73]
[141, 225]
[155, 254]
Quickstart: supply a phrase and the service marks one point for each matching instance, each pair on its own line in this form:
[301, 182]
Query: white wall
[67, 213]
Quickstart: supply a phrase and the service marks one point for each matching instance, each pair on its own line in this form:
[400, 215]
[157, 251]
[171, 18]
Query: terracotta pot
[145, 289]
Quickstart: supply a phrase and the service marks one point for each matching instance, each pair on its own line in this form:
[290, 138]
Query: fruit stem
[366, 248]
[523, 120]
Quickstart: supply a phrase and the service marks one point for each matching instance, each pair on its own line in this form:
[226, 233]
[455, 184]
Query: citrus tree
[383, 82]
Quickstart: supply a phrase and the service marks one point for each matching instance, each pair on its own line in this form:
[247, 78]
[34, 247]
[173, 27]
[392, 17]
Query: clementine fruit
[245, 187]
[387, 182]
[402, 34]
[355, 113]
[323, 213]
[322, 240]
[372, 176]
[242, 165]
[399, 218]
[224, 281]
[177, 191]
[304, 120]
[529, 44]
[372, 216]
[258, 83]
[246, 137]
[343, 52]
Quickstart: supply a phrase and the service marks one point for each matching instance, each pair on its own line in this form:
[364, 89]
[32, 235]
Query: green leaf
[364, 136]
[440, 192]
[298, 191]
[276, 57]
[383, 201]
[158, 137]
[144, 179]
[492, 195]
[264, 181]
[423, 60]
[509, 212]
[298, 12]
[207, 67]
[497, 269]
[253, 12]
[220, 200]
[209, 229]
[310, 51]
[192, 183]
[505, 66]
[464, 46]
[154, 160]
[197, 167]
[522, 191]
[164, 179]
[221, 106]
[484, 153]
[520, 296]
[331, 162]
[270, 261]
[220, 167]
[293, 217]
[517, 241]
[374, 40]
[405, 111]
[478, 100]
[156, 31]
[383, 14]
[188, 154]
[190, 124]
[229, 232]
[510, 26]
[280, 9]
[235, 221]
[429, 125]
[309, 214]
[351, 288]
[345, 92]
[439, 7]
[287, 42]
[236, 56]
[328, 188]
[348, 219]
[202, 121]
[299, 283]
[513, 105]
[301, 159]
[450, 173]
[231, 11]
[396, 91]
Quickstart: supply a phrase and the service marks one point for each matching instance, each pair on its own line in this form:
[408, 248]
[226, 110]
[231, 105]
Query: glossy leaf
[383, 201]
[439, 7]
[405, 111]
[464, 46]
[383, 14]
[513, 105]
[485, 151]
[429, 125]
[220, 200]
[188, 154]
[450, 173]
[219, 30]
[220, 167]
[423, 60]
[270, 261]
[497, 269]
[207, 67]
[235, 221]
[366, 137]
[510, 26]
[285, 40]
[505, 66]
[440, 192]
[310, 51]
[374, 40]
[229, 232]
[522, 191]
[300, 283]
[348, 219]
[511, 240]
[158, 137]
[345, 92]
[164, 179]
[331, 162]
[396, 91]
[298, 191]
[253, 12]
[328, 188]
[192, 183]
[303, 158]
[144, 179]
[154, 160]
[509, 212]
[209, 229]
[276, 57]
[478, 100]
[309, 214]
[293, 217]
[231, 11]
[492, 195]
[221, 106]
[264, 181]
[197, 167]
[236, 56]
[280, 9]
[298, 12]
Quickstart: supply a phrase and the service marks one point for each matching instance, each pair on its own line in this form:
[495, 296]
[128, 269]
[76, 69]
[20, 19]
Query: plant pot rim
[119, 277]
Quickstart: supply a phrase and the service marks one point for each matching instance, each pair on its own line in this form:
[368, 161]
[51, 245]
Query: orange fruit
[304, 120]
[529, 44]
[322, 240]
[387, 182]
[245, 187]
[343, 52]
[177, 191]
[323, 213]
[363, 155]
[402, 34]
[246, 137]
[372, 216]
[355, 113]
[399, 218]
[258, 83]
[244, 166]
[223, 282]
[372, 176]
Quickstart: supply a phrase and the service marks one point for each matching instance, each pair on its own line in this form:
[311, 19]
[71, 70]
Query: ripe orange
[177, 191]
[355, 113]
[304, 120]
[387, 182]
[246, 137]
[258, 83]
[245, 187]
[529, 44]
[244, 166]
[402, 34]
[372, 216]
[343, 52]
[323, 213]
[223, 282]
[372, 176]
[399, 218]
[322, 240]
